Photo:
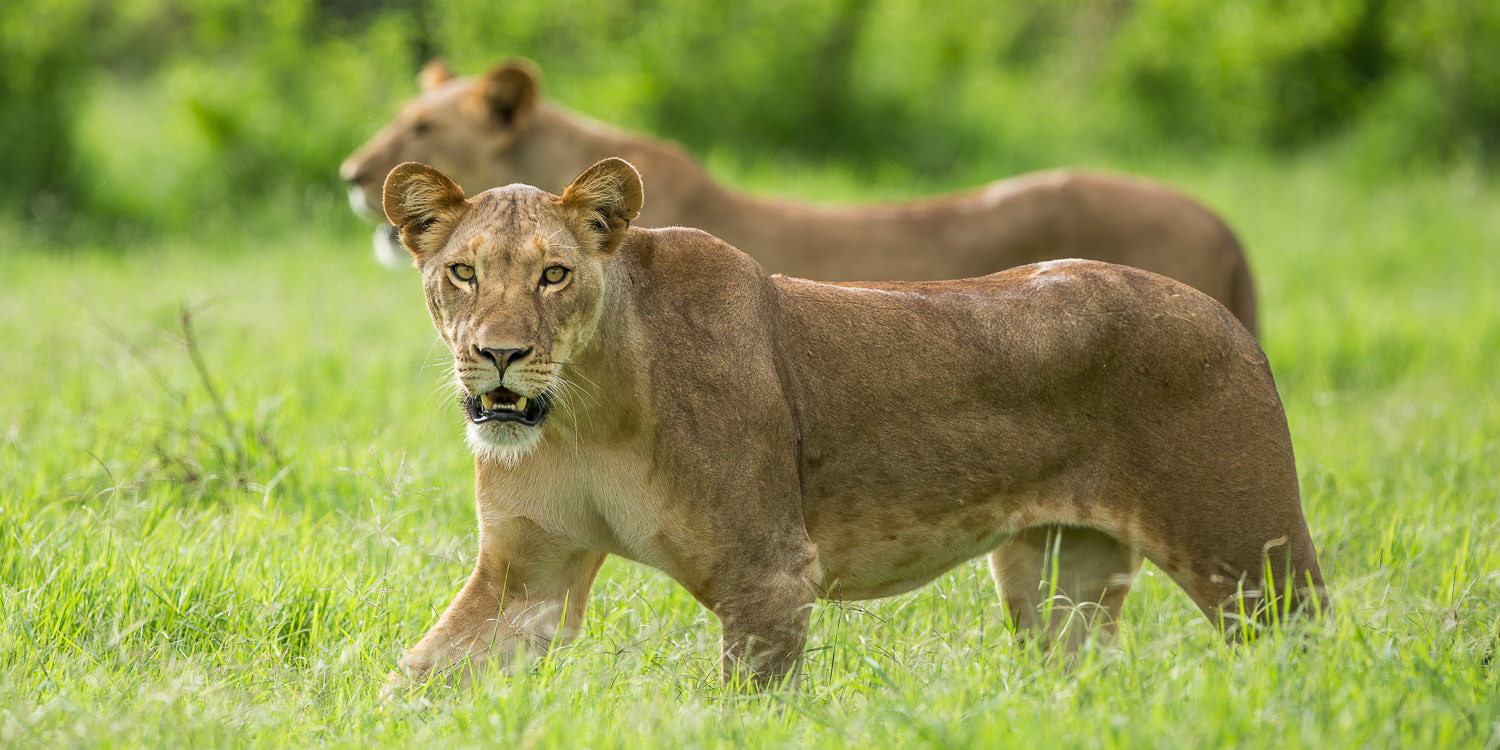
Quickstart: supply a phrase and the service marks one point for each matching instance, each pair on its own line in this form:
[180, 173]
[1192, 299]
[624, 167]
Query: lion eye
[421, 128]
[554, 275]
[462, 272]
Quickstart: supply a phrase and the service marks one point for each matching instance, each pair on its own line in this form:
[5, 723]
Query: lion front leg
[764, 614]
[528, 591]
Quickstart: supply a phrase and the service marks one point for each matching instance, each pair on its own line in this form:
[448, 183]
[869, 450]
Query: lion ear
[435, 74]
[602, 202]
[507, 94]
[424, 204]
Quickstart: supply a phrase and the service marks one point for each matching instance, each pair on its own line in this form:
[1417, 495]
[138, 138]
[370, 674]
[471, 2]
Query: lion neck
[604, 403]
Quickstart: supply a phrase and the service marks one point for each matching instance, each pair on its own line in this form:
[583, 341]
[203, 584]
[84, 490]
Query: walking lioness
[496, 129]
[765, 440]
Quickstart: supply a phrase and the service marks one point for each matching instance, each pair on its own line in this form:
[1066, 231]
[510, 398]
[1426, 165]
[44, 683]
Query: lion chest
[602, 499]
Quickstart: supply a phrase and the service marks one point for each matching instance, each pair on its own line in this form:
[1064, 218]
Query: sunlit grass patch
[181, 566]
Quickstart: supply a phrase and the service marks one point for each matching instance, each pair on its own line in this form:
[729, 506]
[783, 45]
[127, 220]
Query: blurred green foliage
[161, 112]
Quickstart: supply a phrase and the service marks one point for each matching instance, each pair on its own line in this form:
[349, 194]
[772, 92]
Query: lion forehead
[517, 207]
[515, 223]
[509, 249]
[438, 102]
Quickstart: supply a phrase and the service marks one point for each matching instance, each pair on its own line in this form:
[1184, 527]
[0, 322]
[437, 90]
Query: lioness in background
[495, 130]
[765, 440]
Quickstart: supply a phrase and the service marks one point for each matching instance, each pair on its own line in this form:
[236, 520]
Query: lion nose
[351, 174]
[502, 357]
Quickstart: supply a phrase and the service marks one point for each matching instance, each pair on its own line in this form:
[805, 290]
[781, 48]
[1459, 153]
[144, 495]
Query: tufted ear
[602, 202]
[507, 94]
[435, 74]
[424, 204]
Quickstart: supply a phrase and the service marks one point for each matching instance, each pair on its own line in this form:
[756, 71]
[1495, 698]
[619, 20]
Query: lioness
[495, 129]
[767, 440]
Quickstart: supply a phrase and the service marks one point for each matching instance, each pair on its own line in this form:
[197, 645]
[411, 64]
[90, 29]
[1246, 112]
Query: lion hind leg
[1241, 594]
[1064, 585]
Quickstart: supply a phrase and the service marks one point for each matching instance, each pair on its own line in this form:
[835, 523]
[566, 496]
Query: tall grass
[226, 532]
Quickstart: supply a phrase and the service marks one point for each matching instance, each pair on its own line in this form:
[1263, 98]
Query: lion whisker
[571, 388]
[592, 396]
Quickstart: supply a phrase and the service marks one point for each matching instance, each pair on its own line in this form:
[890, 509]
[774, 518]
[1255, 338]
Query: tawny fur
[766, 441]
[495, 129]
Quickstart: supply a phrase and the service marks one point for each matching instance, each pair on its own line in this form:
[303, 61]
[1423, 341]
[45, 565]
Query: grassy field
[233, 490]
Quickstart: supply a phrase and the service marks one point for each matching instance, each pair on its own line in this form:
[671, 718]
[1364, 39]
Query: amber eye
[554, 275]
[462, 272]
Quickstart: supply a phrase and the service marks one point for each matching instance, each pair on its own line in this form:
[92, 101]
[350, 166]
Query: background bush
[157, 113]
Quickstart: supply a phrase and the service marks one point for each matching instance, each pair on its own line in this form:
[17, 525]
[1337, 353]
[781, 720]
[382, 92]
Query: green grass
[183, 570]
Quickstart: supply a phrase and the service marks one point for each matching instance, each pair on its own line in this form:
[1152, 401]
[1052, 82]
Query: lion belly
[870, 547]
[888, 566]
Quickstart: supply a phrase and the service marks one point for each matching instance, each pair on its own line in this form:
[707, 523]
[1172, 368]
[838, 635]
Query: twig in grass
[139, 356]
[237, 433]
[1488, 660]
[196, 354]
[114, 484]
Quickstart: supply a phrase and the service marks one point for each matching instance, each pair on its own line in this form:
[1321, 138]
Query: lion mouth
[505, 405]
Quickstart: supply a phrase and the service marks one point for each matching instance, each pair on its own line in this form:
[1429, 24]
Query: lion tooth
[486, 402]
[521, 404]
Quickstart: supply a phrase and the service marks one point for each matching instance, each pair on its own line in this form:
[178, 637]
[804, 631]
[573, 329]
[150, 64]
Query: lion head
[515, 283]
[462, 126]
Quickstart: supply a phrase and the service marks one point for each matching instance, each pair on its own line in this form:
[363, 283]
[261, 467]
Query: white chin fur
[518, 441]
[362, 209]
[388, 249]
